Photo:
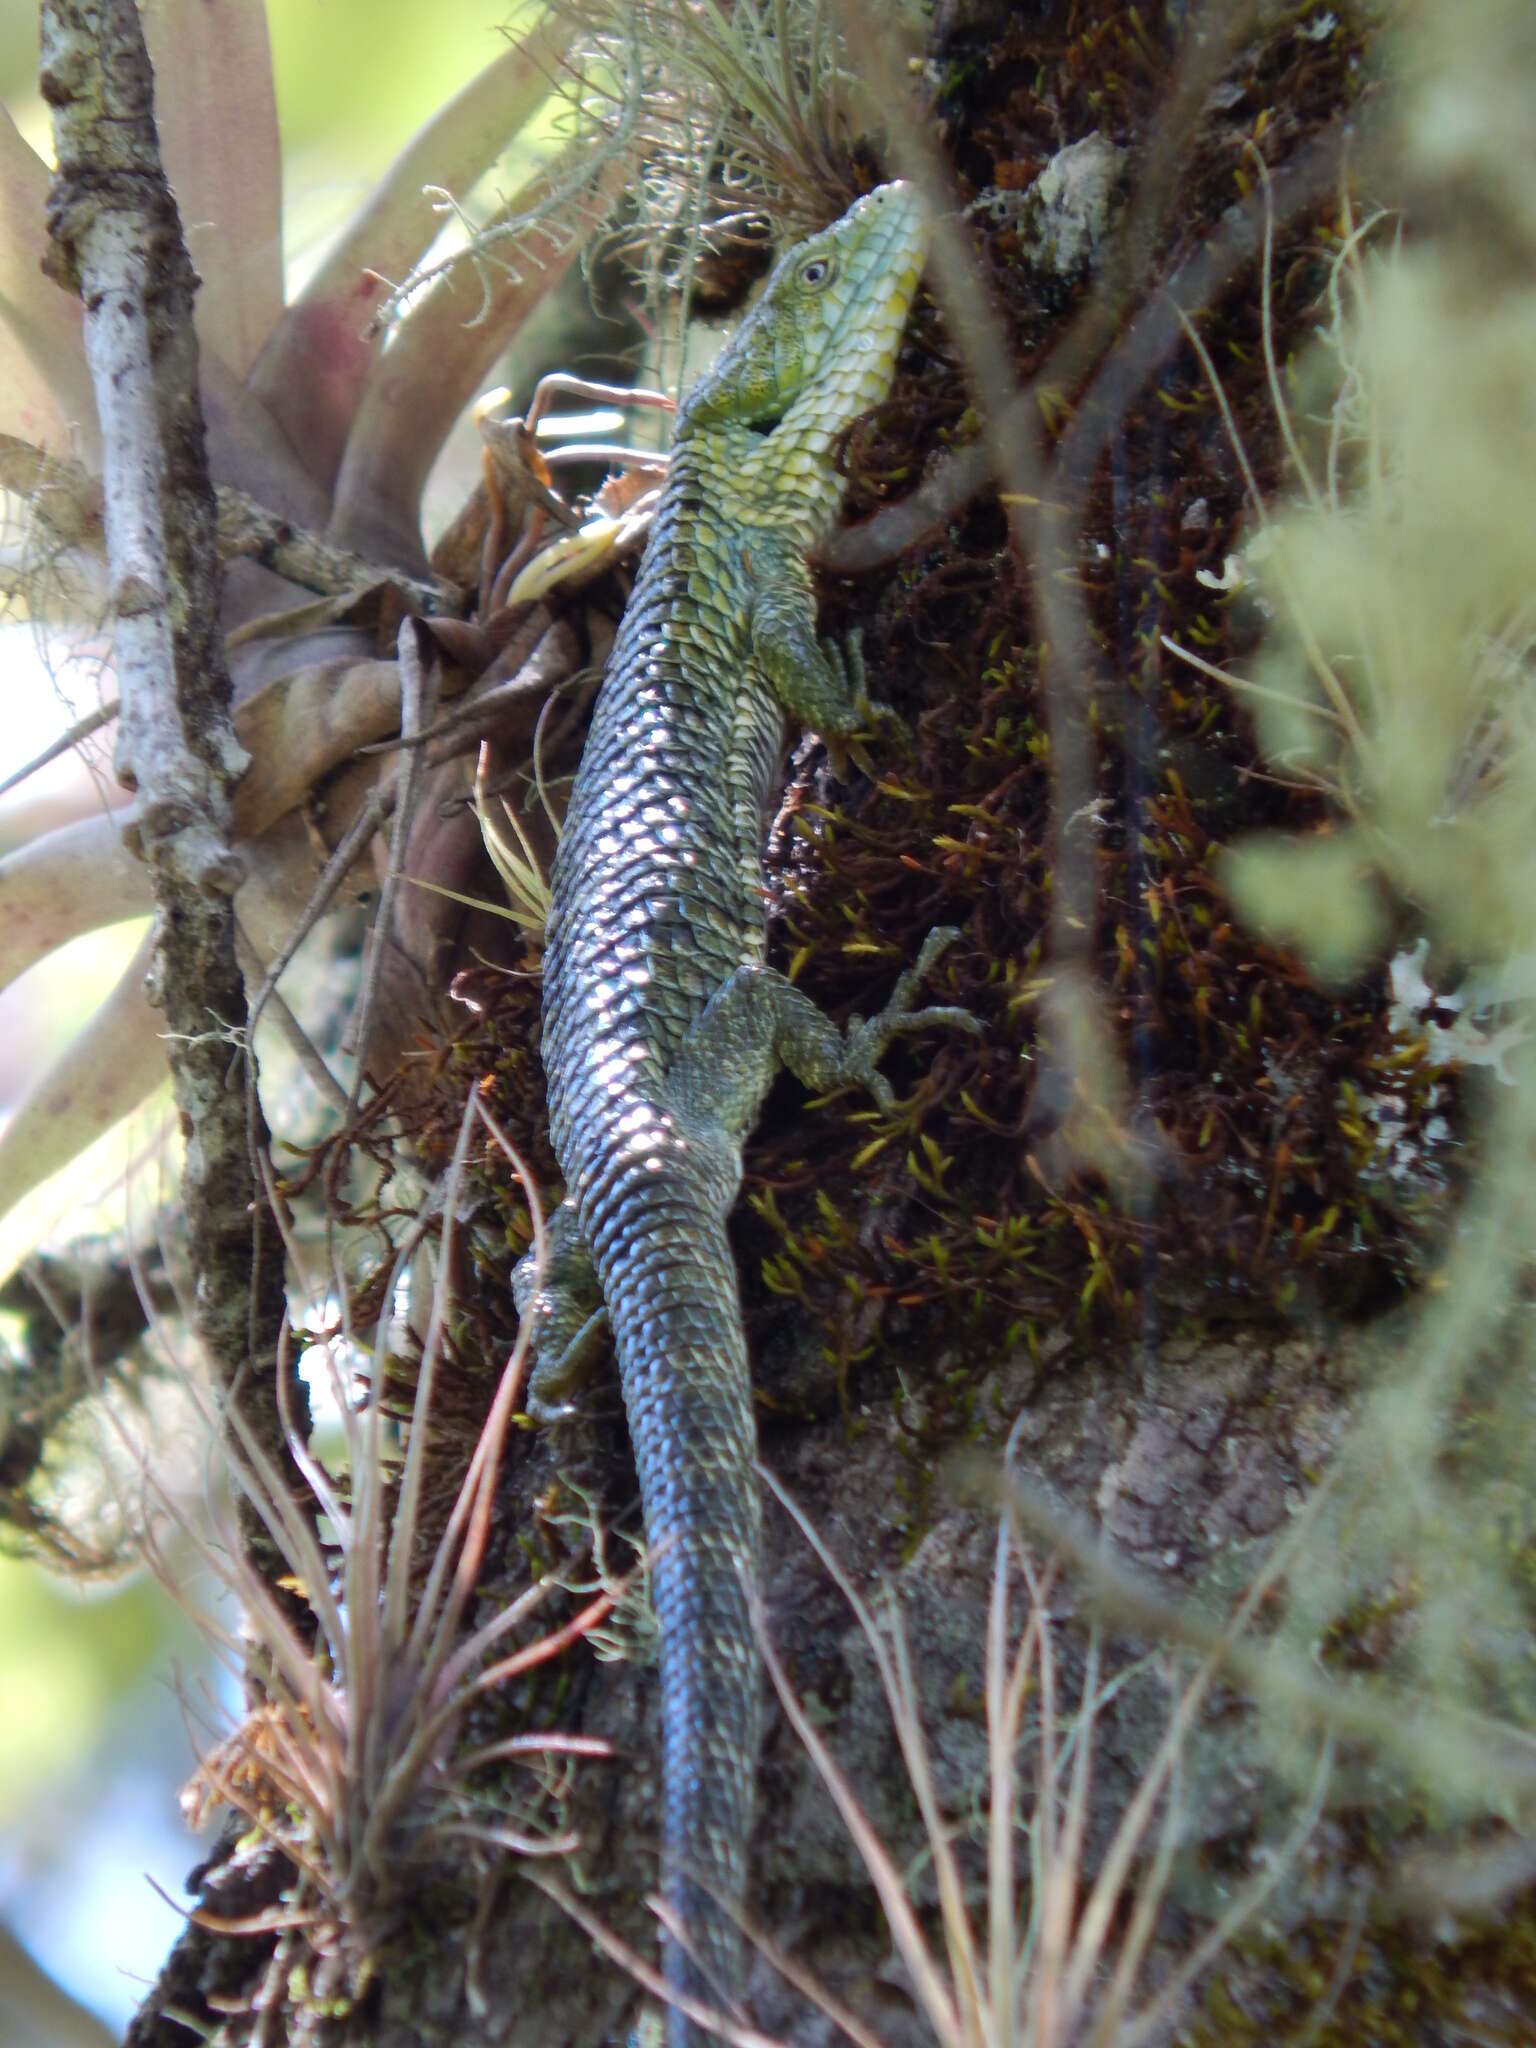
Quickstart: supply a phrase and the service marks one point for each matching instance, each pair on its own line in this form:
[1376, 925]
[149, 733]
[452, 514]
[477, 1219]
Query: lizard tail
[669, 1279]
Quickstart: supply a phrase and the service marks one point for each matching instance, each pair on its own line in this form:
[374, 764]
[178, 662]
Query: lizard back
[662, 1025]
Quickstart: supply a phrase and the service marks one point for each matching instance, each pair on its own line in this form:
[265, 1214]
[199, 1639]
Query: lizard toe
[938, 1016]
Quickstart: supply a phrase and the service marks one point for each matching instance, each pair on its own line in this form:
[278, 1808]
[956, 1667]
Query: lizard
[663, 1024]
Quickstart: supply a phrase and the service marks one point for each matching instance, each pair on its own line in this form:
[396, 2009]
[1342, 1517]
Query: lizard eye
[817, 271]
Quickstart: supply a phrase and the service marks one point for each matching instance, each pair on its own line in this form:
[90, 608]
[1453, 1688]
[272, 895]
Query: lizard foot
[867, 1039]
[846, 661]
[561, 1301]
[757, 1020]
[554, 1379]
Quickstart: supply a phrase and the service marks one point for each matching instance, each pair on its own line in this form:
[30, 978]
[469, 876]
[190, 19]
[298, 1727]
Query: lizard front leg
[819, 683]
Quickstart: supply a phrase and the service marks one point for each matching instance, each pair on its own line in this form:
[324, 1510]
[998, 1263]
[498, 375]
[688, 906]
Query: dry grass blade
[964, 1962]
[1007, 1687]
[418, 703]
[522, 874]
[1338, 696]
[1239, 1914]
[896, 1678]
[1402, 1724]
[1072, 1974]
[348, 1767]
[942, 2010]
[644, 1972]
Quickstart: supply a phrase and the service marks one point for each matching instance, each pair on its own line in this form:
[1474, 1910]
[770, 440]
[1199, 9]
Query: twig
[1066, 656]
[249, 532]
[67, 500]
[82, 729]
[417, 704]
[62, 493]
[348, 851]
[1156, 331]
[292, 1032]
[1293, 189]
[1403, 1725]
[116, 240]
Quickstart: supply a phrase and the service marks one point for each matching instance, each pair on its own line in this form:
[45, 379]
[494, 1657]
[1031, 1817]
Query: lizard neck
[783, 482]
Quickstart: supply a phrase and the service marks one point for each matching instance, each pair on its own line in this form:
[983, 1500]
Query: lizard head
[819, 347]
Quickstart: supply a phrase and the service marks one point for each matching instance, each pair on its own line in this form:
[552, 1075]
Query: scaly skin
[663, 1027]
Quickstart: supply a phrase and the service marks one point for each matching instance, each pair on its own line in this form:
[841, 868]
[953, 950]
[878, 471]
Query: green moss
[1391, 1987]
[1258, 1093]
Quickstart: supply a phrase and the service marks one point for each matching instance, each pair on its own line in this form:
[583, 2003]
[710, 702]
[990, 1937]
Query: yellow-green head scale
[816, 351]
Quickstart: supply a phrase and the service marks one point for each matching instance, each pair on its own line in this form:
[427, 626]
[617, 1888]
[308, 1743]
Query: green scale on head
[816, 351]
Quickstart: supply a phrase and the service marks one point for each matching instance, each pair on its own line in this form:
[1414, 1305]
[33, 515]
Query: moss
[1392, 1986]
[1258, 1092]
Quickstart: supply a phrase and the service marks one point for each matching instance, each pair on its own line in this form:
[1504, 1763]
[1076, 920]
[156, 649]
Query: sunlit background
[93, 1682]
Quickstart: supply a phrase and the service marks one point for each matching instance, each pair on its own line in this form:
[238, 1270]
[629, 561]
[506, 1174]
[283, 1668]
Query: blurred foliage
[67, 1653]
[353, 80]
[1399, 679]
[58, 997]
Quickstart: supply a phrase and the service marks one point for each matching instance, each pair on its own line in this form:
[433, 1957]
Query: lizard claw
[934, 947]
[867, 1041]
[899, 1015]
[857, 711]
[945, 1014]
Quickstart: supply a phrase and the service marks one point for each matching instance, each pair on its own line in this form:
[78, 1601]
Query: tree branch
[116, 240]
